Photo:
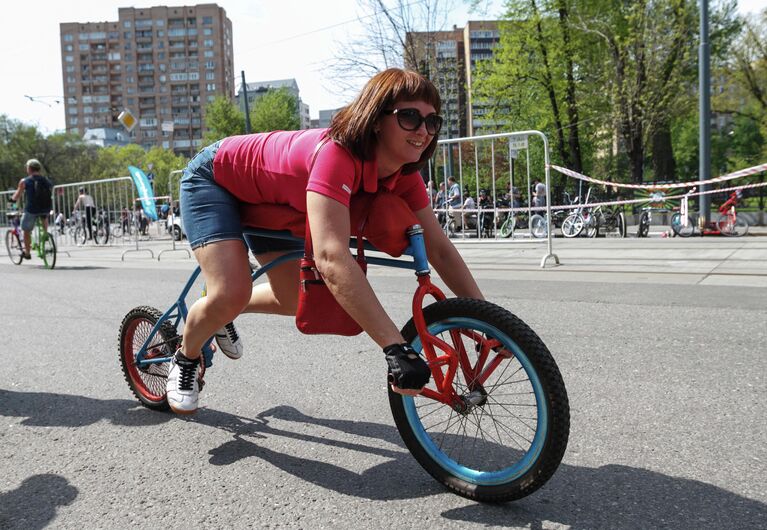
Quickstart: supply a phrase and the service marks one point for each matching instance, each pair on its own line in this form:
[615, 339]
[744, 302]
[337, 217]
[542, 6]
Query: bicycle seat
[12, 214]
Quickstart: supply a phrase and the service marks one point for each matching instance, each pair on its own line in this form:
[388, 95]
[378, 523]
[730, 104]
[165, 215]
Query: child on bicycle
[380, 141]
[37, 191]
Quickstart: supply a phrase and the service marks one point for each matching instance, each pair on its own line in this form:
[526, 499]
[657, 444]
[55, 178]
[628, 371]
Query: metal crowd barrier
[481, 160]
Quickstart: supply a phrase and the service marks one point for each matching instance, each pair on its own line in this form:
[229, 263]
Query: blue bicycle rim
[473, 476]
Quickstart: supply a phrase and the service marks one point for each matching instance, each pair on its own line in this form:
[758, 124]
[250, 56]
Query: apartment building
[163, 64]
[449, 59]
[258, 89]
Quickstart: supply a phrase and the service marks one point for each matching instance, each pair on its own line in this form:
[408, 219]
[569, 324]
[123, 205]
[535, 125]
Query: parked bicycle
[727, 224]
[493, 423]
[43, 243]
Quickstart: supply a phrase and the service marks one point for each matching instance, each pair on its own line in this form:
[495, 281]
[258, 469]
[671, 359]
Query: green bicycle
[43, 243]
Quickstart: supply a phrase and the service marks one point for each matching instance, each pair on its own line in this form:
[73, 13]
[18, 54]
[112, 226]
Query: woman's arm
[445, 258]
[329, 221]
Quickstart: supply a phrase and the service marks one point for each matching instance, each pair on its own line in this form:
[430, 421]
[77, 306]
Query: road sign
[127, 119]
[513, 153]
[517, 142]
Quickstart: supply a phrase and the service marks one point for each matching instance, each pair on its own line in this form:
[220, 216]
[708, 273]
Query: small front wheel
[507, 228]
[644, 225]
[620, 224]
[538, 226]
[101, 234]
[680, 229]
[147, 379]
[81, 235]
[572, 226]
[13, 246]
[505, 429]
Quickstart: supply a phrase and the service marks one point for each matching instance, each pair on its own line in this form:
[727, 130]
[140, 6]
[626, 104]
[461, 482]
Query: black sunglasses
[410, 120]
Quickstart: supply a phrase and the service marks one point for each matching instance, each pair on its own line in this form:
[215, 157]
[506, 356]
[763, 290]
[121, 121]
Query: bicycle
[43, 243]
[727, 224]
[493, 423]
[99, 229]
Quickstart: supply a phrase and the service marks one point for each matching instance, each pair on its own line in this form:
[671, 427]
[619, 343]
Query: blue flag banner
[145, 192]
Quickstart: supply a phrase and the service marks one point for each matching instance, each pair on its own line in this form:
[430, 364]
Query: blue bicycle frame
[178, 311]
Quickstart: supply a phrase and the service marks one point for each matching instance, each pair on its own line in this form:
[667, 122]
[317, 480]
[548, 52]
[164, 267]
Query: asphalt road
[665, 375]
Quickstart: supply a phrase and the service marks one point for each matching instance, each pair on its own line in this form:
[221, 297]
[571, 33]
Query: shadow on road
[399, 477]
[33, 504]
[615, 496]
[611, 496]
[43, 409]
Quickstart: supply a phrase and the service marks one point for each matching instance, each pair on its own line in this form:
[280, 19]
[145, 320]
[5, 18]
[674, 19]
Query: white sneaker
[182, 388]
[229, 341]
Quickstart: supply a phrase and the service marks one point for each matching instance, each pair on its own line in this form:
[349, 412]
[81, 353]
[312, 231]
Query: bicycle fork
[444, 366]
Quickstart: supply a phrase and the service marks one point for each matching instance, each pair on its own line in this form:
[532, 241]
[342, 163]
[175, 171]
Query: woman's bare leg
[280, 295]
[225, 268]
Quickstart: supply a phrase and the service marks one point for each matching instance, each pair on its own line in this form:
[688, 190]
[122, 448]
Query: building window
[210, 65]
[210, 87]
[208, 43]
[159, 23]
[68, 48]
[69, 58]
[207, 21]
[210, 76]
[207, 31]
[209, 53]
[126, 24]
[160, 33]
[68, 37]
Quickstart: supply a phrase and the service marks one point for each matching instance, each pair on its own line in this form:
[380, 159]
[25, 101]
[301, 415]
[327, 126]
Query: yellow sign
[127, 119]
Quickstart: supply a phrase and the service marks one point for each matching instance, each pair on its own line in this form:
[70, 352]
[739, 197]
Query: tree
[277, 110]
[383, 41]
[222, 118]
[745, 95]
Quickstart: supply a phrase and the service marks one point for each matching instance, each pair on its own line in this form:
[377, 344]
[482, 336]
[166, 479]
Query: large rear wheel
[505, 432]
[732, 225]
[48, 250]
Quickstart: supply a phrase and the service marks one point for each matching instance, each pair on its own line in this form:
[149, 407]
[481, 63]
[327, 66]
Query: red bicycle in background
[727, 224]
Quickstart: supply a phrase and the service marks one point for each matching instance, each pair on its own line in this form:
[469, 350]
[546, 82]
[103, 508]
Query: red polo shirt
[274, 168]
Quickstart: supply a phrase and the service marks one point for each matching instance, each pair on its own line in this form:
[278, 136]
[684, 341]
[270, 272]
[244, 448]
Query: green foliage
[633, 67]
[277, 110]
[66, 158]
[222, 118]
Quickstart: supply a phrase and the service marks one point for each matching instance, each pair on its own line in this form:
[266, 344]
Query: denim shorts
[28, 220]
[210, 213]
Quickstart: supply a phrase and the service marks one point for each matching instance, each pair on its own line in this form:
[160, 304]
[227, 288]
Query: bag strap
[308, 249]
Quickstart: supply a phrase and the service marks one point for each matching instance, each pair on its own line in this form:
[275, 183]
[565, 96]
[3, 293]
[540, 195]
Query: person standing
[453, 193]
[37, 201]
[88, 206]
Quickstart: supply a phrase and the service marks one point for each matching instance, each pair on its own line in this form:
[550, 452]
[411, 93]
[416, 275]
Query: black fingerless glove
[406, 368]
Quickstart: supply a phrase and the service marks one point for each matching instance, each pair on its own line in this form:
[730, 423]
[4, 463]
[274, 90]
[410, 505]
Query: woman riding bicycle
[380, 141]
